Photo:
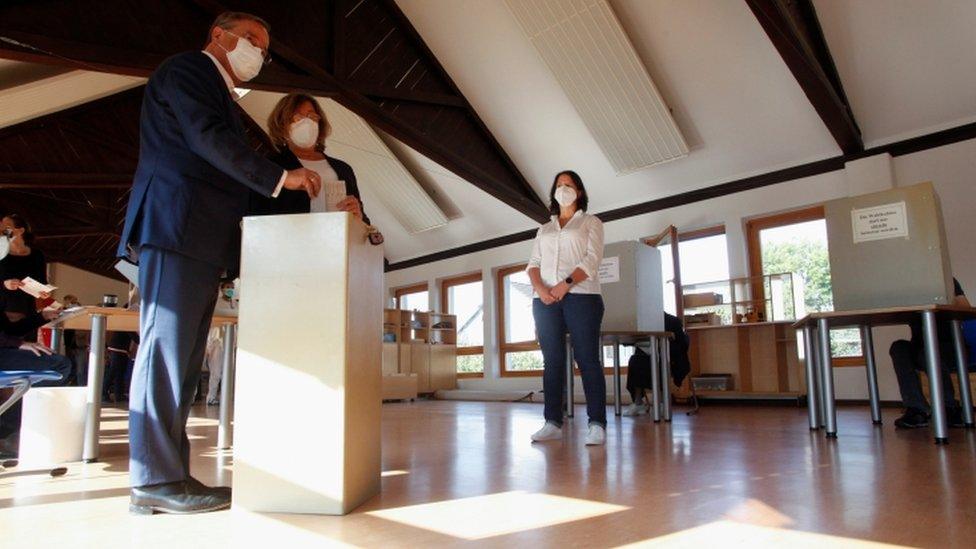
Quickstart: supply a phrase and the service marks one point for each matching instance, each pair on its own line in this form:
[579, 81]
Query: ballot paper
[129, 270]
[328, 199]
[35, 288]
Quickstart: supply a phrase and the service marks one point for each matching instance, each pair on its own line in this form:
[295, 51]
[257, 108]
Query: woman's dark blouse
[33, 265]
[292, 202]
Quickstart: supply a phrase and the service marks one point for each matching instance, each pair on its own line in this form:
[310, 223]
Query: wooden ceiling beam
[33, 48]
[38, 181]
[794, 30]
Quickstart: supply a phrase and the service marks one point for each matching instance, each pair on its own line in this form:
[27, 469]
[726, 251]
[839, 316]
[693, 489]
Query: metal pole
[96, 372]
[224, 431]
[569, 376]
[616, 374]
[867, 340]
[827, 378]
[56, 339]
[962, 370]
[813, 402]
[933, 367]
[655, 380]
[666, 377]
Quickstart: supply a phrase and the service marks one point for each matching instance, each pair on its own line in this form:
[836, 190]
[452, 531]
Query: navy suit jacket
[196, 169]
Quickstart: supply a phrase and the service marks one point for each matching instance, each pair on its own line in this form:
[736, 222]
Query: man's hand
[351, 204]
[13, 284]
[545, 294]
[50, 314]
[303, 179]
[36, 348]
[559, 291]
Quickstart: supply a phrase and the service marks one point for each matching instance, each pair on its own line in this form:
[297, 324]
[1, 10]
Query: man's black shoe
[912, 419]
[198, 486]
[179, 498]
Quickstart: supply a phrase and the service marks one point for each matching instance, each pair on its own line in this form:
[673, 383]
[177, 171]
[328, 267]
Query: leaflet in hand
[328, 199]
[35, 288]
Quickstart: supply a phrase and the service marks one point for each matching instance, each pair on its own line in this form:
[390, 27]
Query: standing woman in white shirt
[563, 270]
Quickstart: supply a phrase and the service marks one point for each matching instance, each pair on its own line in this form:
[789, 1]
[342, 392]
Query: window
[412, 298]
[702, 257]
[519, 350]
[796, 242]
[462, 296]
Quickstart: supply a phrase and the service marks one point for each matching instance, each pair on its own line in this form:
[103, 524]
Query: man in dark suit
[183, 229]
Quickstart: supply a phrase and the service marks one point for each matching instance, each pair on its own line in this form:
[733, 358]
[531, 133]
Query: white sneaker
[548, 432]
[596, 436]
[636, 409]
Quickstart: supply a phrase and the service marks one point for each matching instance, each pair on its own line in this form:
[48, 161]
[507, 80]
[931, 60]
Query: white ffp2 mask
[245, 59]
[304, 133]
[565, 196]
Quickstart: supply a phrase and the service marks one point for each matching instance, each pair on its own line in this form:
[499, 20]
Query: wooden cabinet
[423, 344]
[761, 357]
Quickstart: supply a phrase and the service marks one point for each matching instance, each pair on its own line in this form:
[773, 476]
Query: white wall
[951, 168]
[87, 286]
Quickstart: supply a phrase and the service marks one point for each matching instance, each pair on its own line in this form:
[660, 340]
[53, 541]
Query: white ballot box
[308, 393]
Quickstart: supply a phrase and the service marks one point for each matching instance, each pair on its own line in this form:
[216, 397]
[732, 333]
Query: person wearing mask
[298, 128]
[908, 358]
[23, 260]
[189, 195]
[563, 269]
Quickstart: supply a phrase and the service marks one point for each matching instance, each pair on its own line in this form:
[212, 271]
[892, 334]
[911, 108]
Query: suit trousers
[178, 298]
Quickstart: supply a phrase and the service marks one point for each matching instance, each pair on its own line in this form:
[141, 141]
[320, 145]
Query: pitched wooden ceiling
[70, 171]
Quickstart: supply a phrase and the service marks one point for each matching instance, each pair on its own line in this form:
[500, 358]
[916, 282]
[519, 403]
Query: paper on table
[328, 199]
[35, 288]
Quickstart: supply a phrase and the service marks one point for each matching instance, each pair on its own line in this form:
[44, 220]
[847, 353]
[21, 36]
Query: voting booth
[888, 249]
[307, 408]
[633, 291]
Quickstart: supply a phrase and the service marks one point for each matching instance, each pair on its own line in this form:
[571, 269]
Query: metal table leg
[224, 431]
[813, 402]
[96, 372]
[962, 370]
[569, 377]
[665, 348]
[655, 380]
[57, 336]
[933, 367]
[827, 378]
[616, 374]
[868, 341]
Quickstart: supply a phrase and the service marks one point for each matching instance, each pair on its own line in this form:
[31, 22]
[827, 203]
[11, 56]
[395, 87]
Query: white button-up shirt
[558, 251]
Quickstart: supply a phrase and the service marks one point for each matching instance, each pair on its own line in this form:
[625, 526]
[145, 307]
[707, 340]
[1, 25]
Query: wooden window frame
[446, 285]
[504, 347]
[412, 289]
[754, 243]
[676, 238]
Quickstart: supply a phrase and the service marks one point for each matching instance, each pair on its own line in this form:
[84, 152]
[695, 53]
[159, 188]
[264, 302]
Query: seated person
[17, 354]
[639, 367]
[121, 350]
[908, 358]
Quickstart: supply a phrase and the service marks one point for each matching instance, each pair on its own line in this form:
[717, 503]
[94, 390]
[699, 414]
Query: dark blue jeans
[581, 316]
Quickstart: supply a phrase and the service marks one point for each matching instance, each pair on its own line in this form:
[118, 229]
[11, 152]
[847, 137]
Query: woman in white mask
[563, 270]
[298, 128]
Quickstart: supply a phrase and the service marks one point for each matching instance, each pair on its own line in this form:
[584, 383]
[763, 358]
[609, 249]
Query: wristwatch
[569, 280]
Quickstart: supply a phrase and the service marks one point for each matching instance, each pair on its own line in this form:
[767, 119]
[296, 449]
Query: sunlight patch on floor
[496, 514]
[726, 534]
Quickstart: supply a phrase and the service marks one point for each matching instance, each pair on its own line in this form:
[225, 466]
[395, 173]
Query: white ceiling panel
[908, 67]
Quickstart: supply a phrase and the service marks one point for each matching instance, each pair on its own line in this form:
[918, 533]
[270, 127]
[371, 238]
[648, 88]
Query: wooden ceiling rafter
[794, 29]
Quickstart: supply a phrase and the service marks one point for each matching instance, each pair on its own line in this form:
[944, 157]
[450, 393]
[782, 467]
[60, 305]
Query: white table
[101, 320]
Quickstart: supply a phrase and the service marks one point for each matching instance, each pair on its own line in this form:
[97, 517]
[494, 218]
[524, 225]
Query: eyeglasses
[264, 53]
